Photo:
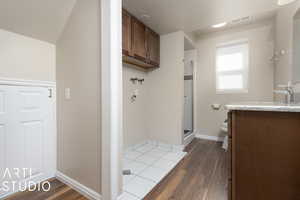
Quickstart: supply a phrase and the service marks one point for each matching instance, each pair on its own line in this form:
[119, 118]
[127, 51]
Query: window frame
[244, 72]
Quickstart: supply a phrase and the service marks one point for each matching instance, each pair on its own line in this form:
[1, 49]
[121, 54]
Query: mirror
[296, 48]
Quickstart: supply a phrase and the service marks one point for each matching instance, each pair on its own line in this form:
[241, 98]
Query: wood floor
[59, 191]
[202, 175]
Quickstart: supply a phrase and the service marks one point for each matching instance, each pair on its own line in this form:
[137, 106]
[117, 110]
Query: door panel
[3, 123]
[30, 100]
[26, 135]
[33, 135]
[2, 149]
[138, 39]
[153, 47]
[2, 153]
[31, 112]
[5, 115]
[2, 102]
[126, 33]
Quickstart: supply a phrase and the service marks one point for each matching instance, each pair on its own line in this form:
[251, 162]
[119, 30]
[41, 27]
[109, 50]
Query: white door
[27, 137]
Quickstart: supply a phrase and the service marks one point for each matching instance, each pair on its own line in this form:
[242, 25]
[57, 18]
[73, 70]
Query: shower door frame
[186, 140]
[190, 77]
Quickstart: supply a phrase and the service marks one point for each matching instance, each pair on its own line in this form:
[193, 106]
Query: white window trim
[245, 70]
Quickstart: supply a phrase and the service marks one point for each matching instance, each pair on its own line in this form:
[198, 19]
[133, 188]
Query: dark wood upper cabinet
[138, 39]
[141, 45]
[153, 47]
[126, 33]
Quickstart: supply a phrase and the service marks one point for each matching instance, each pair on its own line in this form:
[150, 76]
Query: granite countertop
[264, 106]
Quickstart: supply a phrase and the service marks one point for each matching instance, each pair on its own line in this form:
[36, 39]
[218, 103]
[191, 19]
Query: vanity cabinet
[264, 155]
[141, 45]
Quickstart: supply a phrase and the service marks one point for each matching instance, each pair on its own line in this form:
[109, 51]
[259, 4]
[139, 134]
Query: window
[232, 62]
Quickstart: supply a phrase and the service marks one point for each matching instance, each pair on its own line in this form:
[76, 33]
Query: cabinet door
[126, 32]
[266, 152]
[153, 47]
[138, 39]
[27, 136]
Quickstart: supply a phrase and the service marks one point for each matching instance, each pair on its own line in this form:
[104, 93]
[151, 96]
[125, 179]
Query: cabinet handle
[50, 93]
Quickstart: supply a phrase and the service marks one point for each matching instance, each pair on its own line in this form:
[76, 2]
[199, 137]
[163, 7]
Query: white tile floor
[149, 164]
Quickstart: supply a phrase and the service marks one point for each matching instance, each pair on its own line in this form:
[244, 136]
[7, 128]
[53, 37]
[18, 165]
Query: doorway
[189, 97]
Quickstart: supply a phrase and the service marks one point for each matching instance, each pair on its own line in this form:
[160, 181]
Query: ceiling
[45, 19]
[165, 16]
[262, 18]
[40, 19]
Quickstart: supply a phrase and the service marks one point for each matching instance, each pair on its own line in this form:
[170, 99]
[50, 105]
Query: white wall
[261, 73]
[284, 41]
[157, 113]
[134, 113]
[26, 58]
[296, 51]
[79, 123]
[189, 56]
[165, 92]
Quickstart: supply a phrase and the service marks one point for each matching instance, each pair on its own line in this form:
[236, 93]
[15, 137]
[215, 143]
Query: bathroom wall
[189, 56]
[165, 92]
[134, 112]
[157, 112]
[23, 57]
[261, 73]
[284, 41]
[78, 68]
[296, 51]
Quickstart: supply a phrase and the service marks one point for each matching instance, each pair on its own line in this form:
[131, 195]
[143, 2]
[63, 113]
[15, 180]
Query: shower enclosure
[188, 122]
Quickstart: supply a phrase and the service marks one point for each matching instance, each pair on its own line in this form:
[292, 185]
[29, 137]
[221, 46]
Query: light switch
[67, 93]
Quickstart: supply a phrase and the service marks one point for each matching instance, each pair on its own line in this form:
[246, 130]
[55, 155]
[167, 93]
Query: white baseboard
[85, 191]
[208, 137]
[188, 139]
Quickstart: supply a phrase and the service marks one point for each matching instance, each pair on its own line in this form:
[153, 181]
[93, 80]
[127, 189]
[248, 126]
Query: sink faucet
[288, 90]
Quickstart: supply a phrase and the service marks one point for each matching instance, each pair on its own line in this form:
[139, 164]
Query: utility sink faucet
[288, 91]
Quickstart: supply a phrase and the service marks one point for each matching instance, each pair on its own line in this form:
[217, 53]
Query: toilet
[224, 129]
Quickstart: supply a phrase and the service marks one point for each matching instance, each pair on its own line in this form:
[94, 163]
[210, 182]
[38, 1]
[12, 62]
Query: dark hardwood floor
[59, 191]
[201, 175]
